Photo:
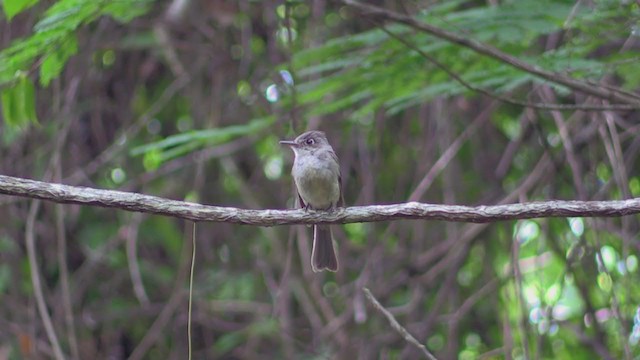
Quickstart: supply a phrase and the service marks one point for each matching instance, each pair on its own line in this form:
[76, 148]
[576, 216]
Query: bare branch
[412, 210]
[396, 325]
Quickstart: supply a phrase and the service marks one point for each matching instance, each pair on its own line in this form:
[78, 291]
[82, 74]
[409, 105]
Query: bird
[316, 173]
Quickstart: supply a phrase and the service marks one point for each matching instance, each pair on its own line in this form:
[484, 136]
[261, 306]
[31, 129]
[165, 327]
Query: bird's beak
[288, 142]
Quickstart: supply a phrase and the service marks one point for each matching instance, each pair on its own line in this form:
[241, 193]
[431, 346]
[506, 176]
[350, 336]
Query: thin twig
[64, 281]
[494, 53]
[567, 143]
[193, 265]
[615, 303]
[517, 275]
[60, 213]
[118, 146]
[131, 241]
[396, 325]
[449, 154]
[37, 285]
[170, 306]
[493, 95]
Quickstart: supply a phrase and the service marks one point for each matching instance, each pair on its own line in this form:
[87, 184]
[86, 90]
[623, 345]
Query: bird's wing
[341, 199]
[302, 204]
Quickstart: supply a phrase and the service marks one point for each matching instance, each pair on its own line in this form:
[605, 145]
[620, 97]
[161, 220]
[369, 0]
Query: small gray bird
[316, 173]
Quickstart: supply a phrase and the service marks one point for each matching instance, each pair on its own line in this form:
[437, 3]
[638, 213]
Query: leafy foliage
[14, 7]
[186, 142]
[18, 103]
[122, 116]
[371, 70]
[54, 41]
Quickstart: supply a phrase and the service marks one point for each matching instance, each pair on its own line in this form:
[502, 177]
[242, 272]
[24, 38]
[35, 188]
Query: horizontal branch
[413, 210]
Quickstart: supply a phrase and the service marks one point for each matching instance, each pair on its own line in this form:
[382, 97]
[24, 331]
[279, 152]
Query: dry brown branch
[396, 325]
[412, 210]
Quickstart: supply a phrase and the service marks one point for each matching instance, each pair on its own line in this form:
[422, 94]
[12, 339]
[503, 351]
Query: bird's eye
[310, 141]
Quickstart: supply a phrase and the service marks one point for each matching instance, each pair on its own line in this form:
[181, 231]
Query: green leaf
[5, 278]
[18, 103]
[152, 160]
[66, 18]
[187, 141]
[14, 7]
[54, 38]
[266, 327]
[228, 341]
[9, 112]
[27, 92]
[125, 11]
[54, 62]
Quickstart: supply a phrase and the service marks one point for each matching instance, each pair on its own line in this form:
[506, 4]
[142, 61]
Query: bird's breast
[317, 184]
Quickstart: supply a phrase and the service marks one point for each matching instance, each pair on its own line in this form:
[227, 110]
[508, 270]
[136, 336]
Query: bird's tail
[323, 255]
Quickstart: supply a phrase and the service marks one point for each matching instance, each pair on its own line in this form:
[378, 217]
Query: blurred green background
[187, 99]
